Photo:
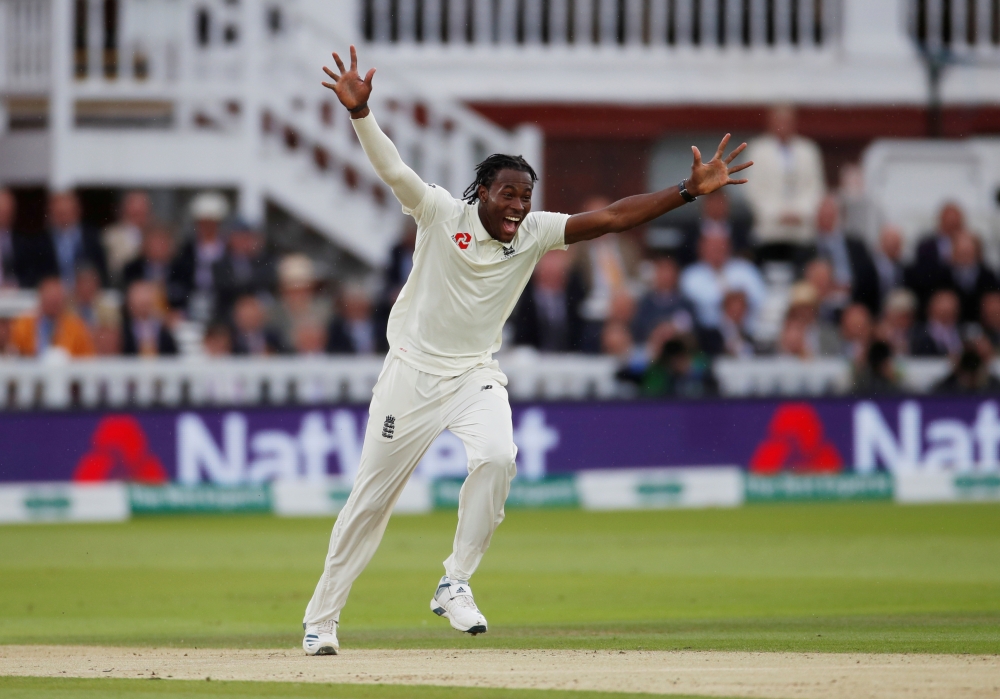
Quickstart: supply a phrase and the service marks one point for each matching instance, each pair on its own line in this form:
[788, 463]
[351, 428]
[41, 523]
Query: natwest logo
[120, 450]
[233, 453]
[463, 240]
[796, 441]
[243, 456]
[942, 444]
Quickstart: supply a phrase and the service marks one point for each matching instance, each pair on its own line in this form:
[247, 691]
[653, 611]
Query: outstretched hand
[352, 91]
[716, 173]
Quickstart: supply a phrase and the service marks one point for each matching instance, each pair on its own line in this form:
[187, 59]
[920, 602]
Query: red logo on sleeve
[463, 240]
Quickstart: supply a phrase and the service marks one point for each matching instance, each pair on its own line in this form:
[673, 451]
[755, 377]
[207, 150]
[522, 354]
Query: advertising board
[63, 502]
[260, 445]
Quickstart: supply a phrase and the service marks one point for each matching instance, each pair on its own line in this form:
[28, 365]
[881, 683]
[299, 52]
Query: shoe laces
[328, 626]
[463, 598]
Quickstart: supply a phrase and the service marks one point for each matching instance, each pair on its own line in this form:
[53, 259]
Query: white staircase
[219, 94]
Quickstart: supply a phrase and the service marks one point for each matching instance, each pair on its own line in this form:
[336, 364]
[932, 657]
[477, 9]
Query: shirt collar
[478, 230]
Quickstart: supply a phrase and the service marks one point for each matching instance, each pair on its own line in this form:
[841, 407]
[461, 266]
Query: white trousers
[408, 411]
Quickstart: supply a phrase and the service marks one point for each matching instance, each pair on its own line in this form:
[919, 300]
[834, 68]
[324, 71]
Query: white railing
[131, 382]
[121, 382]
[782, 376]
[25, 27]
[193, 54]
[650, 23]
[966, 28]
[144, 45]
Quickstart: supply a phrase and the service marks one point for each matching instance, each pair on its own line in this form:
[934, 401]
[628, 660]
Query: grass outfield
[46, 688]
[832, 577]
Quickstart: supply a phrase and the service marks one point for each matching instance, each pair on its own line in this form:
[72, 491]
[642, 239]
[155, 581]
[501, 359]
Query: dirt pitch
[771, 675]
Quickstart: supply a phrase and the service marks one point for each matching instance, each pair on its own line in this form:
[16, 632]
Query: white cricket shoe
[321, 638]
[453, 600]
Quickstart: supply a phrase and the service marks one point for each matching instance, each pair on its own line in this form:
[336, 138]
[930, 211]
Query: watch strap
[685, 195]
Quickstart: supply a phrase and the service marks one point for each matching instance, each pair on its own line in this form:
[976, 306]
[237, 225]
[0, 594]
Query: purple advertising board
[232, 446]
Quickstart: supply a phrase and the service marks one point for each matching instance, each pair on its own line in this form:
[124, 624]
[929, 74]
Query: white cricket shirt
[450, 314]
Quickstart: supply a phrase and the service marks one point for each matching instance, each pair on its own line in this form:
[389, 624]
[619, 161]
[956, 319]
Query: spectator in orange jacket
[52, 325]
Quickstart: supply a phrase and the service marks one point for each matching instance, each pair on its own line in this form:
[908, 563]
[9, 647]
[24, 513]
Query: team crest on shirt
[508, 252]
[463, 240]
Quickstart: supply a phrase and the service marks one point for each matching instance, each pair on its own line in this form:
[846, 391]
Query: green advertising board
[985, 486]
[660, 494]
[792, 488]
[556, 491]
[44, 505]
[176, 499]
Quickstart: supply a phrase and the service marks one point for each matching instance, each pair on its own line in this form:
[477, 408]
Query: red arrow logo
[795, 441]
[120, 450]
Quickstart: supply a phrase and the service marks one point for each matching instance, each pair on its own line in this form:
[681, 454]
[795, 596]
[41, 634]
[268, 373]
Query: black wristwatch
[685, 194]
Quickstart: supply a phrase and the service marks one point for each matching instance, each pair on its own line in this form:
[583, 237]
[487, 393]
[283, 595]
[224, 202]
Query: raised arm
[353, 92]
[630, 212]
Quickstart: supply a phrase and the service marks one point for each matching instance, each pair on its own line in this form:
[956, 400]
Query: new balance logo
[389, 427]
[487, 386]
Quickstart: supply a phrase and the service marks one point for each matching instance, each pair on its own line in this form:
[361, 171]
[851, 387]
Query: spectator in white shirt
[706, 282]
[787, 186]
[122, 240]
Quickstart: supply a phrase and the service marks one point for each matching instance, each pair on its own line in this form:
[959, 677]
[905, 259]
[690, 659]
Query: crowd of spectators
[665, 313]
[249, 300]
[668, 313]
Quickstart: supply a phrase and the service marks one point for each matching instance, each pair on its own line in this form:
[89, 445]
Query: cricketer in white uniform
[471, 262]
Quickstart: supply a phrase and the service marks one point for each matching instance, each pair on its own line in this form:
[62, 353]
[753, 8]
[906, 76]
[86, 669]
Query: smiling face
[504, 205]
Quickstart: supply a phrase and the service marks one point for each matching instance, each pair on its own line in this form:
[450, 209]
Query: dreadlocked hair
[486, 173]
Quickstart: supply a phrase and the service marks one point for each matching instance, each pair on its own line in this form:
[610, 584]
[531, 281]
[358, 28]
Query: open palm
[717, 172]
[352, 91]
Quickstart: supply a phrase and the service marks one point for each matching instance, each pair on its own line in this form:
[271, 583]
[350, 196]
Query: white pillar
[61, 95]
[95, 40]
[530, 143]
[876, 29]
[341, 18]
[5, 40]
[252, 38]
